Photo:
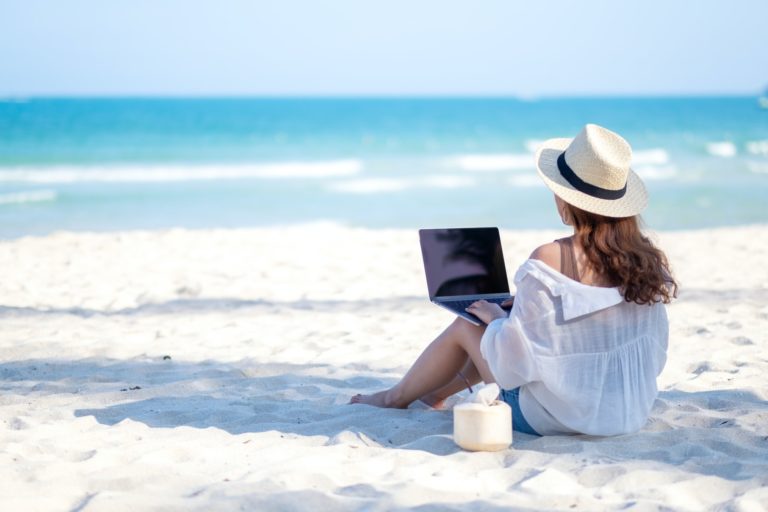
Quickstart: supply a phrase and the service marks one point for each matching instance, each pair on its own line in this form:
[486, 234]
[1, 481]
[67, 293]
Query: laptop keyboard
[461, 305]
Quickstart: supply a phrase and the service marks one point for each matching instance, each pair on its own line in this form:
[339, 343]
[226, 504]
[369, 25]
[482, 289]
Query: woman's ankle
[393, 398]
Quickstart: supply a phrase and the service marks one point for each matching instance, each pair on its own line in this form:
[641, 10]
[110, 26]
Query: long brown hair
[617, 250]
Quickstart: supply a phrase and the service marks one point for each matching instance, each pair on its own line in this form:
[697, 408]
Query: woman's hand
[486, 311]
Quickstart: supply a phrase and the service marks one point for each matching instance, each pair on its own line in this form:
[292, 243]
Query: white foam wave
[493, 162]
[31, 196]
[383, 185]
[525, 180]
[446, 181]
[369, 185]
[656, 156]
[656, 172]
[724, 149]
[758, 167]
[334, 168]
[533, 144]
[758, 147]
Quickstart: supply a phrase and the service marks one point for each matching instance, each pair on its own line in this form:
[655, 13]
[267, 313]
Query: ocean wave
[723, 149]
[533, 144]
[525, 180]
[655, 156]
[445, 181]
[758, 167]
[369, 185]
[494, 162]
[656, 172]
[384, 185]
[30, 196]
[122, 174]
[758, 147]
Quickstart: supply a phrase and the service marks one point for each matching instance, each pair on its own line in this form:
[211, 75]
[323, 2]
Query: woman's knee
[457, 324]
[465, 330]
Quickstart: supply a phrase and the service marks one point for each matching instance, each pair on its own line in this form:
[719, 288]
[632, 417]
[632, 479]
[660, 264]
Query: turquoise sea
[117, 164]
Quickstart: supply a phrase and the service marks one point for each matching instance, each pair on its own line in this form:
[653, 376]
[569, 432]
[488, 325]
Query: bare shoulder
[549, 254]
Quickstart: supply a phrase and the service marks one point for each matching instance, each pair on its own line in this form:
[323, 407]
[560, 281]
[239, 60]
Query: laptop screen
[463, 261]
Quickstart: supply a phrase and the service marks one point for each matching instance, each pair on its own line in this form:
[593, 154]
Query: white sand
[271, 331]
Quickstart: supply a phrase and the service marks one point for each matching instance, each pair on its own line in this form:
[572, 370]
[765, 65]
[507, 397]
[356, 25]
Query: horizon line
[355, 96]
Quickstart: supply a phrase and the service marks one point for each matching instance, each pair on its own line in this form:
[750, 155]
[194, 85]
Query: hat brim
[632, 203]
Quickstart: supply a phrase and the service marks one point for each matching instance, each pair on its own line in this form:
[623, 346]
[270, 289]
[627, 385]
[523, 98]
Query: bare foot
[377, 400]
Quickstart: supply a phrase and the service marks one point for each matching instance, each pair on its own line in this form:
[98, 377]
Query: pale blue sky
[397, 47]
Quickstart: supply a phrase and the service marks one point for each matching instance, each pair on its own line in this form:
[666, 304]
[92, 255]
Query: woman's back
[586, 358]
[568, 257]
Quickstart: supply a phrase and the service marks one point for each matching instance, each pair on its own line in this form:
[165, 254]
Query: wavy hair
[617, 249]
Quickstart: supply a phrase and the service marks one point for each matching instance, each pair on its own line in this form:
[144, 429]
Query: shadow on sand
[698, 431]
[243, 397]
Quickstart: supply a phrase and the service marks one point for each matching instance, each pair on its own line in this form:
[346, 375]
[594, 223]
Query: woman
[587, 336]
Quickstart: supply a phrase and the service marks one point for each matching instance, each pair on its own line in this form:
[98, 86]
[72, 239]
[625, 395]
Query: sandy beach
[211, 370]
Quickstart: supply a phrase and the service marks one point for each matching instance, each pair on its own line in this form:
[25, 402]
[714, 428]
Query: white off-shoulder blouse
[585, 360]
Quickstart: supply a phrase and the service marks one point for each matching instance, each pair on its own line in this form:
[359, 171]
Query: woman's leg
[436, 367]
[469, 377]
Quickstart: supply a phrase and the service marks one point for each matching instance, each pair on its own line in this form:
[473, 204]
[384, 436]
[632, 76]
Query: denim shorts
[512, 398]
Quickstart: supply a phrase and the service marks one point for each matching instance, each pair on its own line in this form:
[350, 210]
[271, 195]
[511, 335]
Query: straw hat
[591, 172]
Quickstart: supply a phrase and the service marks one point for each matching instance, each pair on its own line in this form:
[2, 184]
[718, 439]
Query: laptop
[464, 265]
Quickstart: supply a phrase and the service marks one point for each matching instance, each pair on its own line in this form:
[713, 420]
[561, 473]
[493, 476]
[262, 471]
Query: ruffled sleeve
[506, 348]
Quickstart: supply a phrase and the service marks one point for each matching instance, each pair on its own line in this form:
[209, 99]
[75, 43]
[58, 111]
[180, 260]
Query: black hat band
[582, 186]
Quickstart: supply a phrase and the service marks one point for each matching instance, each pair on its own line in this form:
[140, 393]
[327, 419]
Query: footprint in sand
[81, 456]
[700, 331]
[699, 368]
[660, 406]
[599, 476]
[17, 423]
